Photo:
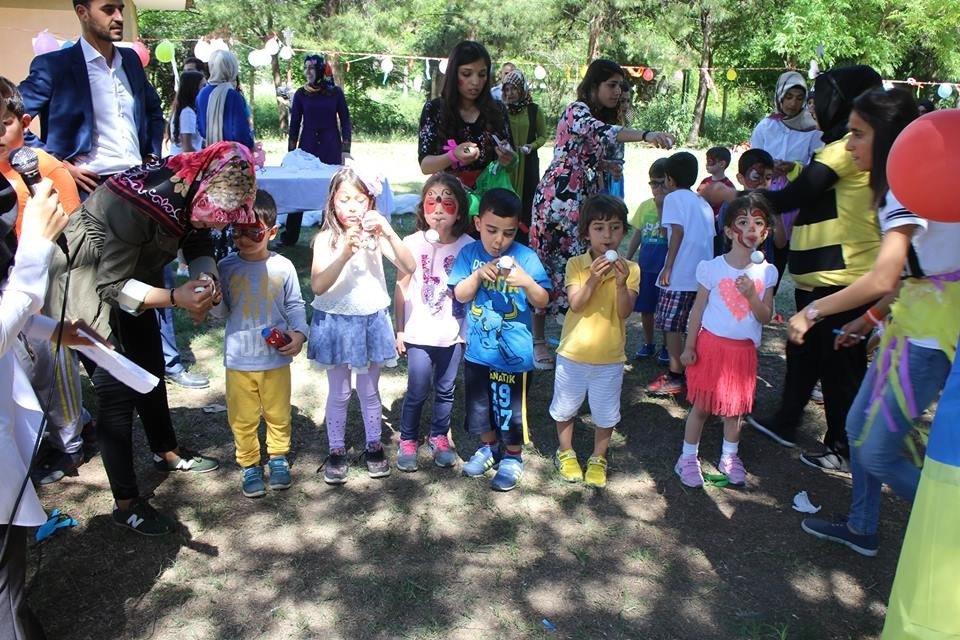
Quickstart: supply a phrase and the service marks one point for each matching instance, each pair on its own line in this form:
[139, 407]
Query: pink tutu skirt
[724, 378]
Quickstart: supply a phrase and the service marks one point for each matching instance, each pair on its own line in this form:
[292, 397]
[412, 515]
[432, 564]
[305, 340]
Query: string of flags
[165, 52]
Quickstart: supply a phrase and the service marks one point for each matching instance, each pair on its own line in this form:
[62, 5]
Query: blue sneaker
[508, 474]
[865, 545]
[663, 357]
[484, 458]
[645, 351]
[279, 473]
[253, 486]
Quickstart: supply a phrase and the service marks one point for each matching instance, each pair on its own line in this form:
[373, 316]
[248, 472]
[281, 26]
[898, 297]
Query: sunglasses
[253, 231]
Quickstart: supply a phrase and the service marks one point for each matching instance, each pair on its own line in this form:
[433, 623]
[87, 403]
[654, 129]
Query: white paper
[118, 365]
[801, 503]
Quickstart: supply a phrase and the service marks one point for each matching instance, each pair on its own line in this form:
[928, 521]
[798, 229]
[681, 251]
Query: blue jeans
[171, 355]
[422, 361]
[879, 459]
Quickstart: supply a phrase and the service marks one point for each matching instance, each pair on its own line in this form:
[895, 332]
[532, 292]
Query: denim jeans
[879, 459]
[422, 361]
[171, 355]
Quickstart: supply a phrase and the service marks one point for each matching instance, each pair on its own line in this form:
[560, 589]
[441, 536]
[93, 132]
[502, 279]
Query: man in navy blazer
[58, 90]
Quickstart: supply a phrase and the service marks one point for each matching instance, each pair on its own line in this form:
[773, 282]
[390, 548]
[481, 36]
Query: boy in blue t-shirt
[498, 281]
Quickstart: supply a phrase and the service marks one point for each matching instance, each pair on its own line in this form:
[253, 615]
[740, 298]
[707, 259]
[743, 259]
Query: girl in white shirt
[734, 300]
[183, 133]
[430, 323]
[351, 329]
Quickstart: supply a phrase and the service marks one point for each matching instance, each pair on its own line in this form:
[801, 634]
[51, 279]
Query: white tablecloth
[306, 190]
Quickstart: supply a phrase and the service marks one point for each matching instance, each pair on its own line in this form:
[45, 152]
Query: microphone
[26, 163]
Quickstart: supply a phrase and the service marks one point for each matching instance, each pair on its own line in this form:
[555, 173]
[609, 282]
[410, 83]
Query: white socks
[730, 448]
[690, 449]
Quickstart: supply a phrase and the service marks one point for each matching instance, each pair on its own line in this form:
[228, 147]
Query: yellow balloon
[731, 74]
[583, 70]
[164, 51]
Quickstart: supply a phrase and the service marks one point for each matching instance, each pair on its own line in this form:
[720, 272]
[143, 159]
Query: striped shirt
[836, 237]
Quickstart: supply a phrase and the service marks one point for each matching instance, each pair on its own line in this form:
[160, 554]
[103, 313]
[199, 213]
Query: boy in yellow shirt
[601, 287]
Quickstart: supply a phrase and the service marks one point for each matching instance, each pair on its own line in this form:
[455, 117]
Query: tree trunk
[283, 109]
[595, 30]
[703, 88]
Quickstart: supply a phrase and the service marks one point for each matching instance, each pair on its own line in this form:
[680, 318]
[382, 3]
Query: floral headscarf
[324, 77]
[516, 80]
[213, 186]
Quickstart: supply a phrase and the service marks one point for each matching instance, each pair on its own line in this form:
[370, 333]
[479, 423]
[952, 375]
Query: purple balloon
[44, 43]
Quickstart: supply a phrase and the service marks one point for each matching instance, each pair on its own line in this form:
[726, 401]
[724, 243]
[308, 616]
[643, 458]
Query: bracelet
[173, 303]
[873, 316]
[449, 147]
[643, 136]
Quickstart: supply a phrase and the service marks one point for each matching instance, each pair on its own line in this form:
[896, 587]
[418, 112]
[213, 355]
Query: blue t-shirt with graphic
[499, 317]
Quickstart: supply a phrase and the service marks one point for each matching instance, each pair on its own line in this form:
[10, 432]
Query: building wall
[22, 20]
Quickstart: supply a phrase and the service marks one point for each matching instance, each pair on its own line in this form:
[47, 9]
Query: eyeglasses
[253, 231]
[657, 184]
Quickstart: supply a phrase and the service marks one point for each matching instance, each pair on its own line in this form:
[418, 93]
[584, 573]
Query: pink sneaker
[732, 466]
[688, 468]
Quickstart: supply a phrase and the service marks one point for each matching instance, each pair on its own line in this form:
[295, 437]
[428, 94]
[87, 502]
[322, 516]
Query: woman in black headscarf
[835, 241]
[120, 240]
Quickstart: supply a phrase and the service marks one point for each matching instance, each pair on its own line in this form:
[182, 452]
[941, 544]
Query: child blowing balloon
[734, 300]
[351, 330]
[430, 324]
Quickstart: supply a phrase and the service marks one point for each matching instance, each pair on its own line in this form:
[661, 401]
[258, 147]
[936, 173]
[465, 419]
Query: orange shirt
[51, 168]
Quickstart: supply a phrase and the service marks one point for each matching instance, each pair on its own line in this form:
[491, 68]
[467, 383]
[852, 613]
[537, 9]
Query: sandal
[542, 358]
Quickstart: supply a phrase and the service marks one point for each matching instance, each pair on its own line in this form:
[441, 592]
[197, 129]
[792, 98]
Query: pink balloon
[142, 52]
[648, 74]
[45, 43]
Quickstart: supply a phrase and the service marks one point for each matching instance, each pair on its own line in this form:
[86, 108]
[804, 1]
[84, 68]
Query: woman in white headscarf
[790, 133]
[222, 111]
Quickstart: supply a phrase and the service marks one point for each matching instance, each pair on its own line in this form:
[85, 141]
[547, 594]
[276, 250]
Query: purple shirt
[320, 133]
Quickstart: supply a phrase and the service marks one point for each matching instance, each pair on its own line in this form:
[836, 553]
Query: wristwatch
[812, 313]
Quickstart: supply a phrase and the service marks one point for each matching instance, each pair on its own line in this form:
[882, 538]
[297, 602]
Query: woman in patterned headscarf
[529, 133]
[119, 242]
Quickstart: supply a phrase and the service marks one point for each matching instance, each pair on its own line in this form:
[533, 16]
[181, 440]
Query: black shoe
[55, 466]
[189, 380]
[773, 430]
[829, 460]
[143, 519]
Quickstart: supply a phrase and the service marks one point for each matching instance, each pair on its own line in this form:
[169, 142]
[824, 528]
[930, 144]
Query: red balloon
[142, 52]
[648, 74]
[923, 164]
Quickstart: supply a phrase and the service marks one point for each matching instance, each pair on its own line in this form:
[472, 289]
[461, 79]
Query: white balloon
[443, 66]
[203, 50]
[945, 90]
[217, 44]
[258, 58]
[272, 46]
[285, 52]
[539, 72]
[887, 85]
[814, 70]
[386, 65]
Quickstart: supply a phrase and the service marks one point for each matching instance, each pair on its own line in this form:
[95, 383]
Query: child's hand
[746, 287]
[517, 277]
[689, 357]
[293, 347]
[351, 242]
[489, 272]
[375, 224]
[599, 269]
[859, 327]
[664, 280]
[620, 271]
[401, 345]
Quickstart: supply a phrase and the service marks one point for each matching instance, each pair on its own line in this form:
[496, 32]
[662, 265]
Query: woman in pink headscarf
[119, 241]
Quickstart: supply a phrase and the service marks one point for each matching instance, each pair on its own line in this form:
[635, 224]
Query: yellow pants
[250, 395]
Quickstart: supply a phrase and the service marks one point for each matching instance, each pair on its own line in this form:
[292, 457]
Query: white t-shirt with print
[685, 208]
[431, 316]
[728, 313]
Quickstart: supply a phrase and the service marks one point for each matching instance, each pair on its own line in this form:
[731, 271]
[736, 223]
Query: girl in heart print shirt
[734, 301]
